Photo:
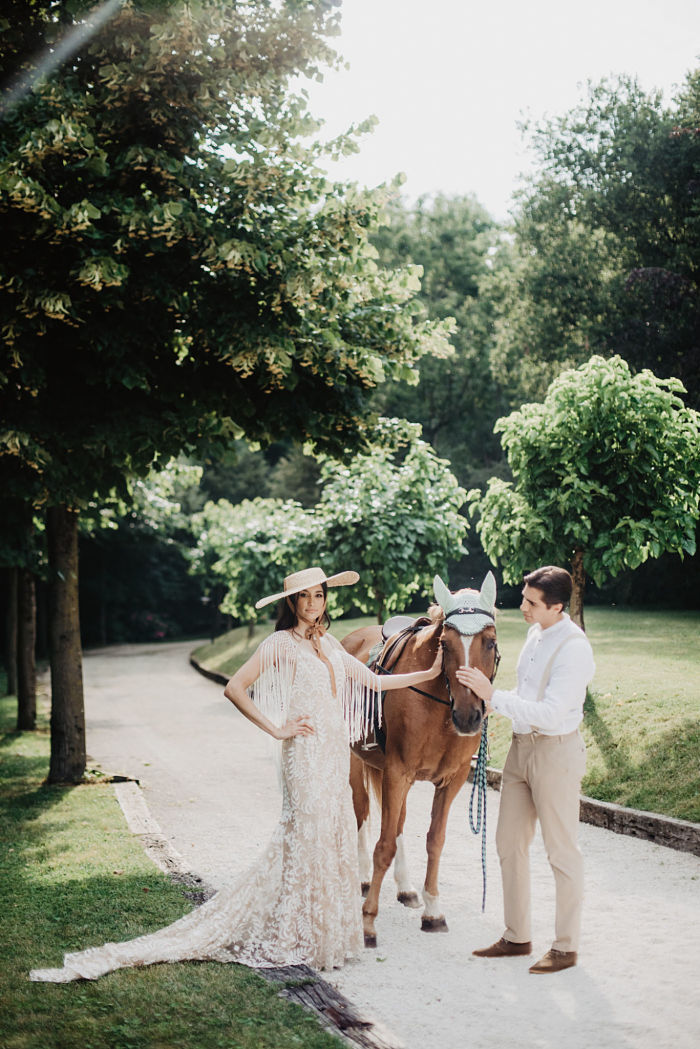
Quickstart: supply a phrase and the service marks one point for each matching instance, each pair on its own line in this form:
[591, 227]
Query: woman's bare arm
[235, 691]
[388, 682]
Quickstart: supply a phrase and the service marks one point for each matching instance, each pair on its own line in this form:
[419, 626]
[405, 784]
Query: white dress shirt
[560, 710]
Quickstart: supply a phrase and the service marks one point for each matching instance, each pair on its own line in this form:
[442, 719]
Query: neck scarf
[314, 633]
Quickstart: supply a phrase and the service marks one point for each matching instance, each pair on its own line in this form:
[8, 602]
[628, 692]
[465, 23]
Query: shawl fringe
[360, 694]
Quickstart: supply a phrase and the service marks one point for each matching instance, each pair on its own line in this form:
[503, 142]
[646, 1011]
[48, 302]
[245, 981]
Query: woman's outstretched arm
[388, 682]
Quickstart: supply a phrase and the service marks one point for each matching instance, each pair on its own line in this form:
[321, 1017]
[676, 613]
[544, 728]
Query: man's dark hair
[555, 584]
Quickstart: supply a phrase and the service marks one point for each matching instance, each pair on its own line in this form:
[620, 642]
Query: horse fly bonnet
[468, 611]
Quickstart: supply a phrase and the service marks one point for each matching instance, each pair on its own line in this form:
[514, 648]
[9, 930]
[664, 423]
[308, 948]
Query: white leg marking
[432, 906]
[402, 876]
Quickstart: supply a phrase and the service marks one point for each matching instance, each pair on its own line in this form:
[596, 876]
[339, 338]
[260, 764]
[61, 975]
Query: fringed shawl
[272, 688]
[359, 693]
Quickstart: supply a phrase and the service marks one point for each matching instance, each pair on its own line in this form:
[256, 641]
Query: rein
[404, 636]
[479, 788]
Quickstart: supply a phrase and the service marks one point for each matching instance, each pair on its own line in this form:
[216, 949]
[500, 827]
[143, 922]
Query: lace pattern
[300, 902]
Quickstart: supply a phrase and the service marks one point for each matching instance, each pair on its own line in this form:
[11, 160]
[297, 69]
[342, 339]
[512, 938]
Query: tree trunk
[67, 709]
[579, 577]
[26, 652]
[42, 620]
[11, 631]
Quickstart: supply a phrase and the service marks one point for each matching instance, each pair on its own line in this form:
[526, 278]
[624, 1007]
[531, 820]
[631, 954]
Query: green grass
[72, 876]
[642, 716]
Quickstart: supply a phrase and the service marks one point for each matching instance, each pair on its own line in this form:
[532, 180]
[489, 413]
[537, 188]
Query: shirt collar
[553, 631]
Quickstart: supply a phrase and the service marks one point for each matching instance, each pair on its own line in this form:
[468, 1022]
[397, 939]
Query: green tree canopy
[243, 552]
[460, 249]
[606, 474]
[393, 516]
[176, 270]
[607, 241]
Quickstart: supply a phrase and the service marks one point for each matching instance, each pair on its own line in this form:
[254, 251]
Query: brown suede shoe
[504, 949]
[553, 961]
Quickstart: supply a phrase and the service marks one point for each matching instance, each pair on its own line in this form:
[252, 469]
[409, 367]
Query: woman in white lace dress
[300, 902]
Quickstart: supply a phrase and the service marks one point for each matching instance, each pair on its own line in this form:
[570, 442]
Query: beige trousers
[542, 780]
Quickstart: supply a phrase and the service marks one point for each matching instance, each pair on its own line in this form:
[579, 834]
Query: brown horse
[428, 737]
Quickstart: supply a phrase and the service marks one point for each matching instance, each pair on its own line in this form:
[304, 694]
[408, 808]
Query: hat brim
[341, 579]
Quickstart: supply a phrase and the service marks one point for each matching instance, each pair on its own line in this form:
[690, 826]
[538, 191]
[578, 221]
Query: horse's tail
[373, 783]
[366, 784]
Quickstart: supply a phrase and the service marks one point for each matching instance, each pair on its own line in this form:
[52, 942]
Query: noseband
[404, 635]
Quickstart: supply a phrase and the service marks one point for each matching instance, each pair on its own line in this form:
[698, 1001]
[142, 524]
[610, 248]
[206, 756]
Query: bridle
[404, 636]
[380, 666]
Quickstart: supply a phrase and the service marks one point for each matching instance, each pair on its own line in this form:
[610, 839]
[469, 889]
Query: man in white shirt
[544, 768]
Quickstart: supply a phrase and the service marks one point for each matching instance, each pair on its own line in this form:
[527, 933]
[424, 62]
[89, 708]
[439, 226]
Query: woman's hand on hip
[299, 726]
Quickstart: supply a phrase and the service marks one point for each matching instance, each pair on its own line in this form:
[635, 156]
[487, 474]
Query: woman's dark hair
[555, 583]
[286, 616]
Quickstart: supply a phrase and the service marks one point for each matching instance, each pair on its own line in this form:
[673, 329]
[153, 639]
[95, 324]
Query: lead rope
[479, 788]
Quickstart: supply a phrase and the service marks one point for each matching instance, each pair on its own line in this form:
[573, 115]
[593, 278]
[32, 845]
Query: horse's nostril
[467, 722]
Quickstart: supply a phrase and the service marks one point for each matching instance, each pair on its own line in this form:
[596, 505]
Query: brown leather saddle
[379, 661]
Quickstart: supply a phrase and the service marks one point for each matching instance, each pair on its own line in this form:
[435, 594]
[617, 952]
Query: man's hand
[480, 685]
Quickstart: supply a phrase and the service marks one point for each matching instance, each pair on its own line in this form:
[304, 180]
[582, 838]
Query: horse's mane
[435, 614]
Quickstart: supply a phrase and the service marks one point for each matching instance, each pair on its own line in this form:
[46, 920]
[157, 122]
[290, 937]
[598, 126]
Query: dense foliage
[392, 515]
[606, 475]
[464, 260]
[243, 552]
[607, 241]
[176, 269]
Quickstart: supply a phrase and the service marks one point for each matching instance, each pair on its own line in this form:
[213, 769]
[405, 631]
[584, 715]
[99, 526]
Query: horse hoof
[433, 925]
[409, 899]
[364, 888]
[370, 939]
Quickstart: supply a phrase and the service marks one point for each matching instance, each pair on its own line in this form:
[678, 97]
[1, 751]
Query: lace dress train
[300, 902]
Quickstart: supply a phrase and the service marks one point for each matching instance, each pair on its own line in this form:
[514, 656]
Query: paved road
[209, 783]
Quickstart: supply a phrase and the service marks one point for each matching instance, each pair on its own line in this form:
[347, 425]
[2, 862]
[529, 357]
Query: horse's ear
[442, 594]
[488, 591]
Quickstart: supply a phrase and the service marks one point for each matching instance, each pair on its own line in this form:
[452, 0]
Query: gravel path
[207, 779]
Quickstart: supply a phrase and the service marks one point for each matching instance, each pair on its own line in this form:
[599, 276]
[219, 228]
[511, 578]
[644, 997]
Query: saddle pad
[395, 625]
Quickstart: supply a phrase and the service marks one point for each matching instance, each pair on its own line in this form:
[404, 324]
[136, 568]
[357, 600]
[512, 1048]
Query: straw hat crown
[308, 577]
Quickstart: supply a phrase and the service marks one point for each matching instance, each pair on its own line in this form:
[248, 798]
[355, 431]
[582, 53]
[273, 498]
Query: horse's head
[468, 638]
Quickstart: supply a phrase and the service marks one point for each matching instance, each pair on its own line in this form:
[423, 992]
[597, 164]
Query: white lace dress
[300, 902]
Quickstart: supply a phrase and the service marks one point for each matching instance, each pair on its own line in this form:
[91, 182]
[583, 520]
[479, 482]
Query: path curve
[208, 782]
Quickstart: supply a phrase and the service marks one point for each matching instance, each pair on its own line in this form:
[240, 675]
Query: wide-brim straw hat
[308, 577]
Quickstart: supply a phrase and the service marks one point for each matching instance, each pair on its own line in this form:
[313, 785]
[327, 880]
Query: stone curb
[682, 835]
[298, 983]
